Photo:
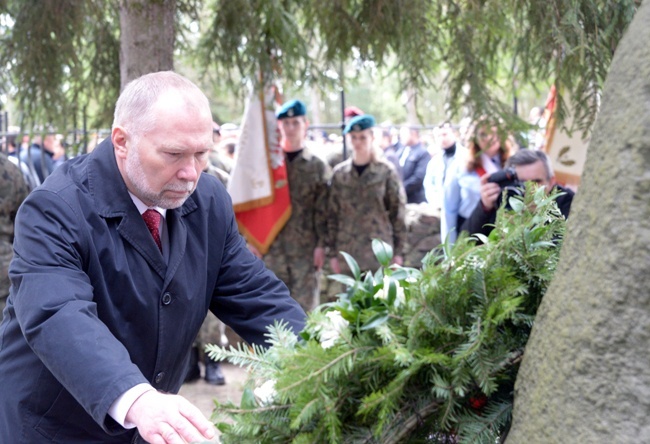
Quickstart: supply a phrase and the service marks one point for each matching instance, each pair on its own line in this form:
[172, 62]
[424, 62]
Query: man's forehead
[532, 171]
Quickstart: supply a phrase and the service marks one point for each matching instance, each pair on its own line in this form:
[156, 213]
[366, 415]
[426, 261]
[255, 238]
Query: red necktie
[152, 220]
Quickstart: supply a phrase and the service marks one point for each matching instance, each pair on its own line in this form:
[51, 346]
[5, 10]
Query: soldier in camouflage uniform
[366, 201]
[13, 190]
[217, 158]
[297, 254]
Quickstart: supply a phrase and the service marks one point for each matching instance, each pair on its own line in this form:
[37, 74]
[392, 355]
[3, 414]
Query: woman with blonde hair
[488, 150]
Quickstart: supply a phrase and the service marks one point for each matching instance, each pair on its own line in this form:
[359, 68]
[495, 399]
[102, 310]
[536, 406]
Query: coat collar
[112, 200]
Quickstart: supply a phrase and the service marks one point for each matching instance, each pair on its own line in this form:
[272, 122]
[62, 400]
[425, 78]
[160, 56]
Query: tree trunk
[147, 37]
[410, 102]
[585, 377]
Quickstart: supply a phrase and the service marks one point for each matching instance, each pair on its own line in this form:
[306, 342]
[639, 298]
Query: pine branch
[404, 426]
[271, 408]
[325, 368]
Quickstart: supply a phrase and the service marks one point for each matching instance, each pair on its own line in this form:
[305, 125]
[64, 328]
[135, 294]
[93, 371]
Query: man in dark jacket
[413, 160]
[118, 257]
[530, 165]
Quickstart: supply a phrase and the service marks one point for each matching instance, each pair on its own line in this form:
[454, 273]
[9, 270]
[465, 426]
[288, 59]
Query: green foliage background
[60, 57]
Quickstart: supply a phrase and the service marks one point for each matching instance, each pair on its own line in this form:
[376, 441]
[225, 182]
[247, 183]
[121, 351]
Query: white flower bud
[266, 392]
[332, 328]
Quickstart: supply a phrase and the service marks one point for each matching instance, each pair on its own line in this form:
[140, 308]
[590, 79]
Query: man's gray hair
[527, 157]
[133, 108]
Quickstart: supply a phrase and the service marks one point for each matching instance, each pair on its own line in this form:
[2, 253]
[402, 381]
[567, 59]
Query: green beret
[359, 123]
[293, 108]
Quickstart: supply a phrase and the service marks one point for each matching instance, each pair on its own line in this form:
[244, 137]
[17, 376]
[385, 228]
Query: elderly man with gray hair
[119, 256]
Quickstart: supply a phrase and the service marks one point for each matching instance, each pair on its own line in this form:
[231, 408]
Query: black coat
[480, 221]
[413, 172]
[95, 309]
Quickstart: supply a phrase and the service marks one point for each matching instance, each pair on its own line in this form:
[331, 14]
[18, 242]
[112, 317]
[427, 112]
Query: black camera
[507, 179]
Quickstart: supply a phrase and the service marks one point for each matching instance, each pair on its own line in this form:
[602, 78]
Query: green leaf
[379, 274]
[354, 266]
[516, 204]
[399, 274]
[383, 252]
[375, 321]
[248, 400]
[391, 291]
[342, 278]
[542, 244]
[224, 427]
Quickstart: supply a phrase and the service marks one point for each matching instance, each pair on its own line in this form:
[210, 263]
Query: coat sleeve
[54, 306]
[479, 220]
[247, 296]
[415, 180]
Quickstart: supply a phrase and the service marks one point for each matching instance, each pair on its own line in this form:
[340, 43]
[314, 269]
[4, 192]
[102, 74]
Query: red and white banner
[567, 150]
[258, 182]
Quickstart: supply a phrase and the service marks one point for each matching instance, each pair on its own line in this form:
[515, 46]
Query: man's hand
[490, 192]
[169, 419]
[319, 258]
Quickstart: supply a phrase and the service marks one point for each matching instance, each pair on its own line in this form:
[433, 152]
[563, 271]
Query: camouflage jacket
[217, 172]
[306, 229]
[362, 208]
[13, 190]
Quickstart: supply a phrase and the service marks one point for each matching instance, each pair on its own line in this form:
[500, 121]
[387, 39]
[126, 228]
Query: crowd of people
[118, 248]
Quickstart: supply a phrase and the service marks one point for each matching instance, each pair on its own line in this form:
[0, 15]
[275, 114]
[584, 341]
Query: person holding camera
[524, 166]
[488, 150]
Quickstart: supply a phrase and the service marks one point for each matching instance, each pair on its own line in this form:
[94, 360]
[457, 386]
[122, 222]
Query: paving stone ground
[202, 394]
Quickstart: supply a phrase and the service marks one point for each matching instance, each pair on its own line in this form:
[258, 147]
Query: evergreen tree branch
[324, 369]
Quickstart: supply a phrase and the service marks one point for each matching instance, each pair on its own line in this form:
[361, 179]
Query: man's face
[294, 131]
[48, 142]
[446, 136]
[534, 172]
[162, 167]
[407, 136]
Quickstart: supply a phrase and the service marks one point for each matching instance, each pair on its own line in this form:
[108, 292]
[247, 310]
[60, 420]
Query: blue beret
[293, 108]
[359, 123]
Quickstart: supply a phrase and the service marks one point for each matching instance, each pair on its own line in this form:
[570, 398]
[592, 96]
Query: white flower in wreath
[265, 393]
[382, 293]
[332, 329]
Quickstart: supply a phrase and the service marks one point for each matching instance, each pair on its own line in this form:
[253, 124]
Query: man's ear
[119, 138]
